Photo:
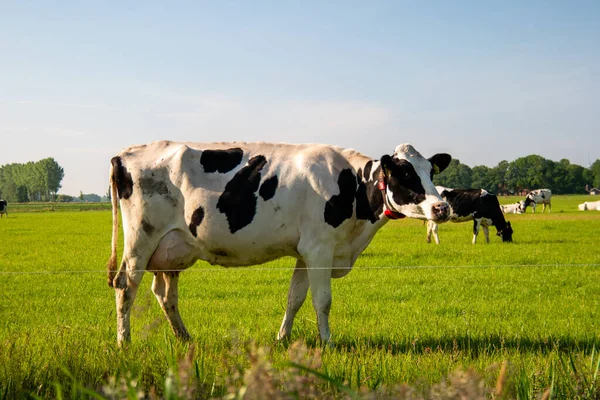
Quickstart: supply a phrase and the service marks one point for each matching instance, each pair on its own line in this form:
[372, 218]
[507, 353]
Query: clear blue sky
[483, 81]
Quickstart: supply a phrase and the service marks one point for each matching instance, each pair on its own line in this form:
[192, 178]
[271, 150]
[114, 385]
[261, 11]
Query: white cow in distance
[238, 204]
[512, 208]
[589, 205]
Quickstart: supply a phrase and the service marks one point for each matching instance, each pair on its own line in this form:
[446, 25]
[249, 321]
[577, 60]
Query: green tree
[498, 177]
[528, 173]
[482, 178]
[456, 176]
[31, 181]
[595, 169]
[577, 178]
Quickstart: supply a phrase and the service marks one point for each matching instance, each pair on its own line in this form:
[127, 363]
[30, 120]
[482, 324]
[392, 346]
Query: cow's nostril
[440, 208]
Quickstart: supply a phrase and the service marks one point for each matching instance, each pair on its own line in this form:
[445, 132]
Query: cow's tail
[111, 266]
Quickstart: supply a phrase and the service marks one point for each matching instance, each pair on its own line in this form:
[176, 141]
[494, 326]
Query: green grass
[409, 312]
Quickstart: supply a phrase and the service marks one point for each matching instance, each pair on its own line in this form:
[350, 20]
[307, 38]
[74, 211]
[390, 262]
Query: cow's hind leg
[165, 288]
[476, 225]
[486, 233]
[126, 284]
[296, 297]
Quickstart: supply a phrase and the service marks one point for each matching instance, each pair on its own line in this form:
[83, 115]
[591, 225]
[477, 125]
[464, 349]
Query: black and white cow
[3, 208]
[538, 196]
[237, 204]
[475, 205]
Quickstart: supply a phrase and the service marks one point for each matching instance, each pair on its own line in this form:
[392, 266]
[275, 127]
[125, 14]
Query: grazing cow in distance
[239, 204]
[511, 208]
[3, 208]
[475, 205]
[535, 197]
[589, 205]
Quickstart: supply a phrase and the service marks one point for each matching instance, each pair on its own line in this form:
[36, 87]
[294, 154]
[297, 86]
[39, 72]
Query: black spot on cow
[359, 175]
[368, 166]
[122, 178]
[197, 217]
[369, 203]
[403, 181]
[148, 228]
[221, 160]
[238, 201]
[151, 186]
[340, 207]
[267, 189]
[220, 252]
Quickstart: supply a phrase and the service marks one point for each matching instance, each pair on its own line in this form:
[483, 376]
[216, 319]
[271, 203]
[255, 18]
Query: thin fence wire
[291, 268]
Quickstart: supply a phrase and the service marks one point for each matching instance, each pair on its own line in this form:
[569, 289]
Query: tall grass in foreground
[303, 377]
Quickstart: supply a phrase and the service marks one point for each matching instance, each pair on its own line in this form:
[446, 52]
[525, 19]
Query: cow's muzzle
[440, 211]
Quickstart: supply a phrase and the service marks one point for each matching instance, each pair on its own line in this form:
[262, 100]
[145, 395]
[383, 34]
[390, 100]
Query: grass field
[409, 313]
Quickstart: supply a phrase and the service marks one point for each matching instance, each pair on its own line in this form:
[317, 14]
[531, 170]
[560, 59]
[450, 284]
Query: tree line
[522, 174]
[33, 181]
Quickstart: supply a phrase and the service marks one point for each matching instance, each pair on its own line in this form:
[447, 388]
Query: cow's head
[506, 233]
[523, 204]
[519, 207]
[409, 190]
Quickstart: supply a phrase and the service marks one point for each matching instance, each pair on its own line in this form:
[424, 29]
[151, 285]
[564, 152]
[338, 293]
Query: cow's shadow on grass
[472, 345]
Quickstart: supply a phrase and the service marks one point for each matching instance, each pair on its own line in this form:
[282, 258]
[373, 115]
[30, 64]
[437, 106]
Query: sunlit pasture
[409, 313]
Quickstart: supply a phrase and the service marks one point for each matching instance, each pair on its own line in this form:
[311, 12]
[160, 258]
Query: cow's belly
[461, 218]
[177, 250]
[240, 255]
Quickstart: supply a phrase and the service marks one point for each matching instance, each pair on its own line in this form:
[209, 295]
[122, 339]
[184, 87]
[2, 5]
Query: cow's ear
[440, 162]
[386, 164]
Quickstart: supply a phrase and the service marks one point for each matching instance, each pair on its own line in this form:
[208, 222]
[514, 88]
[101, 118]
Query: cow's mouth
[442, 218]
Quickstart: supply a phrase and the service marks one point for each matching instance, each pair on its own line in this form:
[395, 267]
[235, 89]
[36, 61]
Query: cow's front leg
[476, 225]
[432, 229]
[296, 297]
[320, 288]
[429, 232]
[317, 253]
[165, 289]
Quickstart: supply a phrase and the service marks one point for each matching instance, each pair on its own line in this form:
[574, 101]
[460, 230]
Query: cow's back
[541, 196]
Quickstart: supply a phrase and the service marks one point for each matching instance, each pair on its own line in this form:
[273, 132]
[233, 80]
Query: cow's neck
[369, 199]
[498, 221]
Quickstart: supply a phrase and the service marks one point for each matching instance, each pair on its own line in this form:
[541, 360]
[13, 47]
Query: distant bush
[64, 198]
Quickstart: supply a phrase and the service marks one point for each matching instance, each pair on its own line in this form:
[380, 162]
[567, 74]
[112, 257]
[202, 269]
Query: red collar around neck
[387, 210]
